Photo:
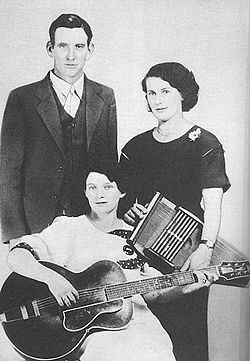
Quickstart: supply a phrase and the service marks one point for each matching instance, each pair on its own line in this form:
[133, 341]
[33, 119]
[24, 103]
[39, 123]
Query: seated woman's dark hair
[178, 77]
[112, 172]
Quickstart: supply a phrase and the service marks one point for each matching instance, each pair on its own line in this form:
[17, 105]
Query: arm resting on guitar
[20, 260]
[212, 201]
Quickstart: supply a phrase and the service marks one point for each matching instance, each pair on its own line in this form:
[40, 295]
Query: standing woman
[186, 164]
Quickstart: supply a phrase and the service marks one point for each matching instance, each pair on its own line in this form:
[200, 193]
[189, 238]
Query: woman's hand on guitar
[205, 279]
[200, 258]
[62, 290]
[135, 213]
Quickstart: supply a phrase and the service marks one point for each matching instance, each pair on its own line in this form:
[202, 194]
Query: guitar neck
[142, 286]
[108, 292]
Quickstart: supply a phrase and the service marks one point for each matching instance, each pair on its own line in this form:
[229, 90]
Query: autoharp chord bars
[168, 235]
[175, 235]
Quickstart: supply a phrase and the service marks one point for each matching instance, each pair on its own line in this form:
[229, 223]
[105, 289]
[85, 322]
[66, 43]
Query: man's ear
[91, 49]
[49, 48]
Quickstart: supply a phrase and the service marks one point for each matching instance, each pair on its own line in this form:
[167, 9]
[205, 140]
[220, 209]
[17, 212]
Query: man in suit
[53, 131]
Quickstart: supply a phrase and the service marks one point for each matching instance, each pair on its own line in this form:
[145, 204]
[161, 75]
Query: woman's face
[103, 195]
[164, 100]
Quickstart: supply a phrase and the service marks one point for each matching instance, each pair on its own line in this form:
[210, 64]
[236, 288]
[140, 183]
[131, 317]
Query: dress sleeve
[53, 243]
[213, 172]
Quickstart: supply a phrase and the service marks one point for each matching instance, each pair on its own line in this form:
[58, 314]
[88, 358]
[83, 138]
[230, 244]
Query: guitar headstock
[232, 270]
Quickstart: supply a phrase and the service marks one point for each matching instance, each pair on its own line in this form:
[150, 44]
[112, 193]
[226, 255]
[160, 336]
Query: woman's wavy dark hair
[111, 172]
[178, 77]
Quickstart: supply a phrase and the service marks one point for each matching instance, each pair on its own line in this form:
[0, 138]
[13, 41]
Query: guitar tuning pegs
[128, 250]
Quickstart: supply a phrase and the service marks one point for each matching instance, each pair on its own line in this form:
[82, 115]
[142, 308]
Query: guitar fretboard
[147, 285]
[90, 296]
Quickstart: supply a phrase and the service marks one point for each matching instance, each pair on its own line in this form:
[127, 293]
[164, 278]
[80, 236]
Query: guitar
[40, 329]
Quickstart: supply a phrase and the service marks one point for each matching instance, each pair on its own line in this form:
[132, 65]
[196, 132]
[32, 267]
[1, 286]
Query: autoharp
[168, 234]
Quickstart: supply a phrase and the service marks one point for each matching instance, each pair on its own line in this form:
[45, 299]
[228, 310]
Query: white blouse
[75, 243]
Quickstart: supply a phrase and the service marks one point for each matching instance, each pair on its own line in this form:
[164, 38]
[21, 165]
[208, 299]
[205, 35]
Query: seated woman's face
[103, 195]
[164, 101]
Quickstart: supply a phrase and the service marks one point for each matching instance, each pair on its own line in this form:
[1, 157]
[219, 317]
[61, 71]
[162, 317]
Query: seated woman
[78, 242]
[185, 163]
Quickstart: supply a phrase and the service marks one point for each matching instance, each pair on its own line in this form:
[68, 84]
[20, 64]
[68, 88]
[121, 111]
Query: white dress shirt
[68, 94]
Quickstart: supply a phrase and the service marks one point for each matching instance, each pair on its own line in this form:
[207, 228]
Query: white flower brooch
[194, 135]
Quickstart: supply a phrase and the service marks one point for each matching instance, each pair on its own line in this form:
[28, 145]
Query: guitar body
[40, 329]
[57, 332]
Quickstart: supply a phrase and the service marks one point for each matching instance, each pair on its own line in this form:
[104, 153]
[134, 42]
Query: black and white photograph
[124, 180]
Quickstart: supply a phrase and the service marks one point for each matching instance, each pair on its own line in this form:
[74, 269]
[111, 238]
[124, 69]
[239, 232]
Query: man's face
[70, 53]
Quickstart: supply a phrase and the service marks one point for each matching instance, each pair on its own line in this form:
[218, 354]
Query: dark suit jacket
[32, 157]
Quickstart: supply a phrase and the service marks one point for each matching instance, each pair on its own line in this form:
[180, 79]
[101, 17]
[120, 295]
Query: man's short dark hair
[69, 21]
[178, 77]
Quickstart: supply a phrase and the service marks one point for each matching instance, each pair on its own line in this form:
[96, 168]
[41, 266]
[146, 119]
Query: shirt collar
[64, 87]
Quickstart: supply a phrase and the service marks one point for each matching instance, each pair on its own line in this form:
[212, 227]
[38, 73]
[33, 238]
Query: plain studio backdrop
[210, 37]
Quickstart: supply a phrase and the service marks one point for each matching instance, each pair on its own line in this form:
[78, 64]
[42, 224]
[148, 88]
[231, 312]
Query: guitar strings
[121, 290]
[126, 288]
[83, 294]
[142, 285]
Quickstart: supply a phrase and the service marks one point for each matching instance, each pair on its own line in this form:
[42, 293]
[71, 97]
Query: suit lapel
[47, 109]
[94, 105]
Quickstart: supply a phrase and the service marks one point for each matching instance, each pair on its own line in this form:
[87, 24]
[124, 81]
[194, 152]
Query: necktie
[72, 102]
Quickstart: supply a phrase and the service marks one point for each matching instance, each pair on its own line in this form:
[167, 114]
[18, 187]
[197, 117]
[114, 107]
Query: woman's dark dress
[179, 169]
